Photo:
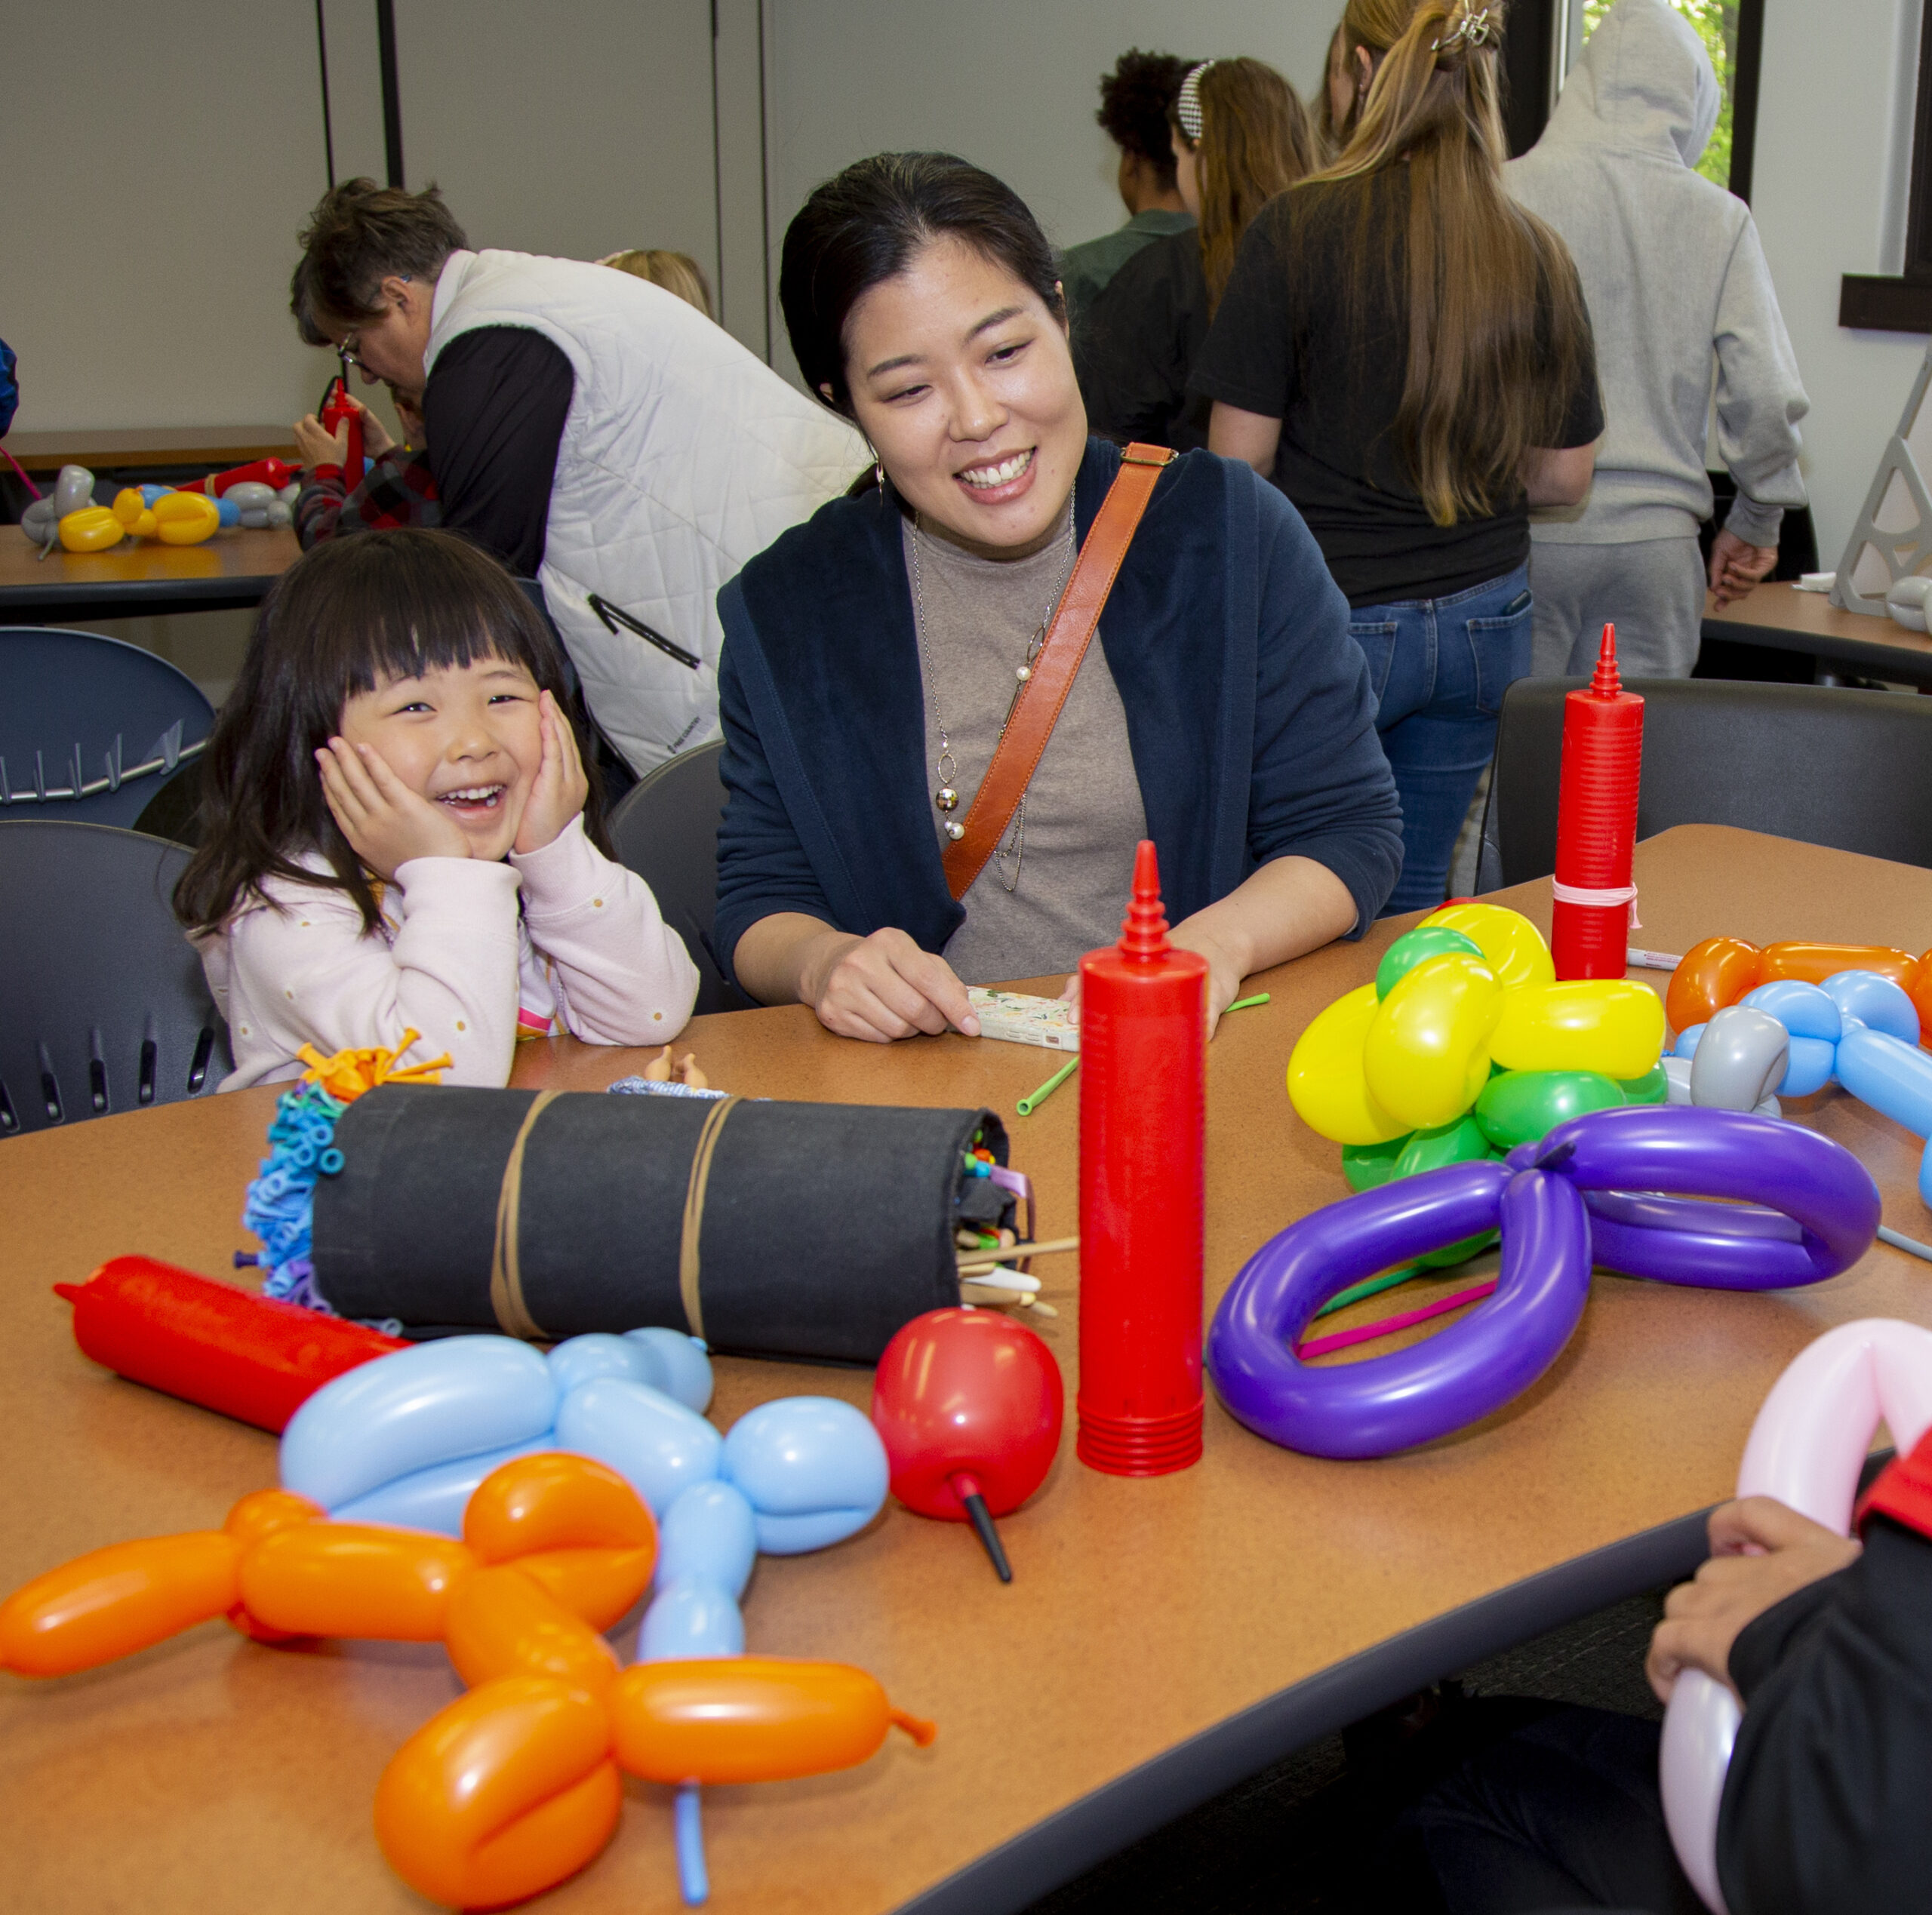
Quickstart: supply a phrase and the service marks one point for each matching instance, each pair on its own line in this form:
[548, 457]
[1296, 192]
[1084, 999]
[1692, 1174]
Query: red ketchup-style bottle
[1144, 1039]
[1596, 823]
[336, 408]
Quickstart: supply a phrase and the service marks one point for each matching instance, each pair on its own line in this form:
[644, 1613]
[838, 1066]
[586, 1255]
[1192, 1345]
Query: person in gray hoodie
[1679, 292]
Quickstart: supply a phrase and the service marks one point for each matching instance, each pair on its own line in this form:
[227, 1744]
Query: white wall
[1011, 85]
[1834, 132]
[158, 161]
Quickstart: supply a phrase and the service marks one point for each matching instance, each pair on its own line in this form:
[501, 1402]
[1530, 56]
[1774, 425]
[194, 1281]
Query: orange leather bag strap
[1037, 709]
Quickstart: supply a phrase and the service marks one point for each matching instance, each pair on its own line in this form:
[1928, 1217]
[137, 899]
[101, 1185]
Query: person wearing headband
[876, 657]
[1406, 350]
[1135, 99]
[1239, 137]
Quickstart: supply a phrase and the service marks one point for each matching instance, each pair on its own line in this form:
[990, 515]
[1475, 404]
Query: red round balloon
[967, 1391]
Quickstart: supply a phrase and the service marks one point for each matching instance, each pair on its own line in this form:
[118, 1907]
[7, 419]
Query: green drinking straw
[1034, 1099]
[1248, 1004]
[1356, 1292]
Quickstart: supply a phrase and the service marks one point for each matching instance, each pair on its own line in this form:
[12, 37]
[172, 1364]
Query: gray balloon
[72, 489]
[250, 495]
[1741, 1059]
[1677, 1075]
[256, 517]
[40, 521]
[279, 512]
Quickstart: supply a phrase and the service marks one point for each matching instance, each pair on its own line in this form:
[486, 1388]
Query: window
[1904, 304]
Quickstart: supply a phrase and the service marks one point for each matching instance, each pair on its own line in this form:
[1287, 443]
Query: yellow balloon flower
[1325, 1079]
[1426, 1055]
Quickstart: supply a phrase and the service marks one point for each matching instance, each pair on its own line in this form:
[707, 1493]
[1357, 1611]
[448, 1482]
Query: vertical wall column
[748, 266]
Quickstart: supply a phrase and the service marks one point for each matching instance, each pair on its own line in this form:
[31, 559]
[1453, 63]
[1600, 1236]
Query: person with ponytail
[1406, 350]
[1239, 137]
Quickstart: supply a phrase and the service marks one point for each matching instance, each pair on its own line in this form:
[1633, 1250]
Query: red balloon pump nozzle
[966, 1487]
[1143, 932]
[1607, 683]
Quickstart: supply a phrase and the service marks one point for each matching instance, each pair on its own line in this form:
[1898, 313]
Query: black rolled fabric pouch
[810, 1231]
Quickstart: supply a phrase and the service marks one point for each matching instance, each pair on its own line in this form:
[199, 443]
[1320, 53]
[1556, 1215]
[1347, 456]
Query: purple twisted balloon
[1809, 1210]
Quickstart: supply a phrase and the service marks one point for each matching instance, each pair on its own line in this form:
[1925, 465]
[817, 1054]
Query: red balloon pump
[968, 1404]
[1596, 823]
[336, 408]
[1143, 1040]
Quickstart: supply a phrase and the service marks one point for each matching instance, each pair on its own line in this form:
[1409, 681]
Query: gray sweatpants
[1652, 590]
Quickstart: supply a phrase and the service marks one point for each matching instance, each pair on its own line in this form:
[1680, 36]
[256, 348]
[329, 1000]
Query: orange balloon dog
[516, 1785]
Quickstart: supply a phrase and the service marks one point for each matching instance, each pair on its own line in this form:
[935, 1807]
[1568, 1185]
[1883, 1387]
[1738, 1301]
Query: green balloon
[1412, 947]
[1524, 1105]
[1367, 1166]
[1653, 1087]
[1460, 1142]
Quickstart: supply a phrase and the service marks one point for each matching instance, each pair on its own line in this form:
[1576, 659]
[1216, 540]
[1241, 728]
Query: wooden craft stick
[1014, 1253]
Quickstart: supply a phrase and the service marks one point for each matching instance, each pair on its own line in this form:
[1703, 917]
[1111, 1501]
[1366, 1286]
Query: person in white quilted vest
[590, 428]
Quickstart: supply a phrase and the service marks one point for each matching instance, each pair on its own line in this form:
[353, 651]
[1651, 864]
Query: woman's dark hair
[864, 227]
[359, 234]
[377, 605]
[1135, 99]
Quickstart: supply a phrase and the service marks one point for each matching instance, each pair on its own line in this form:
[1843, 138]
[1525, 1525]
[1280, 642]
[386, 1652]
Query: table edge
[1066, 1844]
[1881, 656]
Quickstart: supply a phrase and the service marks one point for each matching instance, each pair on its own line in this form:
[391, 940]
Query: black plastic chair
[1851, 770]
[665, 829]
[103, 1004]
[91, 728]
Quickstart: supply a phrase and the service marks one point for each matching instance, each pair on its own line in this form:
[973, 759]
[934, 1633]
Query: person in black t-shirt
[1407, 353]
[1239, 137]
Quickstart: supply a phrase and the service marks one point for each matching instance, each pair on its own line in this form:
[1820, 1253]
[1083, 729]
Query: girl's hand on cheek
[386, 824]
[558, 792]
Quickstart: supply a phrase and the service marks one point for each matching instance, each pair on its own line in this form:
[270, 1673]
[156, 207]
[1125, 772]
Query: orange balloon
[345, 1579]
[749, 1719]
[267, 1510]
[1713, 974]
[113, 1601]
[508, 1791]
[1812, 963]
[554, 1501]
[599, 1585]
[1920, 992]
[502, 1624]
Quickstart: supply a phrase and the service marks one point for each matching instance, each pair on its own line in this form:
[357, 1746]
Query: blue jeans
[1438, 668]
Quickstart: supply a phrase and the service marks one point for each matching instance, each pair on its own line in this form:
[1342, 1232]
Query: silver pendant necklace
[946, 770]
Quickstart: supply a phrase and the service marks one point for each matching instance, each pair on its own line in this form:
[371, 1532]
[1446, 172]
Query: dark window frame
[1903, 303]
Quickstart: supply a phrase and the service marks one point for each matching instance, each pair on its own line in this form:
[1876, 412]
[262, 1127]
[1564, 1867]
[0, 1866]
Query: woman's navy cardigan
[1248, 711]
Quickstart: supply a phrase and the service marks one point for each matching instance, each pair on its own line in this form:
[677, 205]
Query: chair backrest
[665, 829]
[1852, 770]
[103, 1004]
[119, 710]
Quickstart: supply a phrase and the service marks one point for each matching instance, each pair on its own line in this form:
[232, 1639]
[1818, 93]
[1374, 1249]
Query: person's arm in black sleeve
[1133, 367]
[1825, 1807]
[494, 411]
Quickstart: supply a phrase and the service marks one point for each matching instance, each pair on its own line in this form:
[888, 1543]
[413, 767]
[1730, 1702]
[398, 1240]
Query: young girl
[392, 769]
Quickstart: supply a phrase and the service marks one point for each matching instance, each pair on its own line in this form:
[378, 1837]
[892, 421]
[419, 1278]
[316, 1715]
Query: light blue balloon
[1894, 1077]
[812, 1467]
[1803, 1010]
[654, 1443]
[709, 1535]
[690, 1618]
[1812, 1061]
[674, 1362]
[435, 1499]
[431, 1403]
[149, 493]
[1878, 1003]
[231, 513]
[577, 1359]
[1925, 1177]
[1686, 1045]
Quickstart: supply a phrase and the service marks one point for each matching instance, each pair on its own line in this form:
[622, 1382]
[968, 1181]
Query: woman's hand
[1760, 1552]
[560, 788]
[882, 987]
[318, 446]
[386, 824]
[1226, 970]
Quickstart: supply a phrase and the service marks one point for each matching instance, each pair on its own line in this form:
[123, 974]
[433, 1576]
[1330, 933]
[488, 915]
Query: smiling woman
[875, 656]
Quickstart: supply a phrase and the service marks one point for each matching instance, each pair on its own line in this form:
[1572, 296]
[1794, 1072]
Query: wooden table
[234, 567]
[1782, 617]
[1162, 1639]
[219, 446]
